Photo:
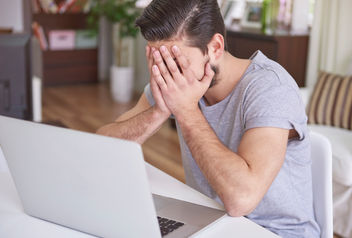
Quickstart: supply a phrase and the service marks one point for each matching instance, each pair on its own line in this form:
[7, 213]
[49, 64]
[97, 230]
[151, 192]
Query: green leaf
[115, 11]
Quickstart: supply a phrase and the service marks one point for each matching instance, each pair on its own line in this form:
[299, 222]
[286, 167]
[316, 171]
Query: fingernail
[153, 49]
[175, 49]
[155, 68]
[163, 48]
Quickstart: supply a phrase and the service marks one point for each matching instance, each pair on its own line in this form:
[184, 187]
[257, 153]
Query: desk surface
[14, 223]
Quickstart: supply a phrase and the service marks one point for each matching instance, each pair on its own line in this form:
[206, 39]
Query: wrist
[159, 114]
[185, 116]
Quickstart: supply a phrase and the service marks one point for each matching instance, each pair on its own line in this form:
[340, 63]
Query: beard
[215, 80]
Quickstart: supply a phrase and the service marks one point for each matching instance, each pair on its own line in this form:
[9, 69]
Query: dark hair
[196, 20]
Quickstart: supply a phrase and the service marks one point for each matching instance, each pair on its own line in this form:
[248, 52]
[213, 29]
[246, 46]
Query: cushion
[341, 143]
[331, 101]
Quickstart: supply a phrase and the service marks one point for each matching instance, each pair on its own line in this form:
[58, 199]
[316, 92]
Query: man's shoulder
[267, 75]
[269, 86]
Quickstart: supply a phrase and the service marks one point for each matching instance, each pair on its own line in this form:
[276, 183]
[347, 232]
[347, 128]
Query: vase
[121, 83]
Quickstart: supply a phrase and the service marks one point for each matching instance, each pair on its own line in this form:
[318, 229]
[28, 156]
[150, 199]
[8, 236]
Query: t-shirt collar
[258, 56]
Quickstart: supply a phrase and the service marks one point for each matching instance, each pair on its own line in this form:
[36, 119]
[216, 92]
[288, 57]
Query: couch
[341, 142]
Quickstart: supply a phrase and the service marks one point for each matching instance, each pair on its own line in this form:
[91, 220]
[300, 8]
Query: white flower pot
[121, 83]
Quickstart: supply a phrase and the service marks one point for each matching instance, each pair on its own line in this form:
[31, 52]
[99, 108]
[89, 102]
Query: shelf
[62, 67]
[72, 21]
[76, 50]
[70, 66]
[69, 57]
[258, 34]
[290, 51]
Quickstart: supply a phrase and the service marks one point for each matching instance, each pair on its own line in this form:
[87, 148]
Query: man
[241, 123]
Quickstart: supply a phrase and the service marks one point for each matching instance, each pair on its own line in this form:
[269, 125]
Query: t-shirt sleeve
[270, 103]
[149, 95]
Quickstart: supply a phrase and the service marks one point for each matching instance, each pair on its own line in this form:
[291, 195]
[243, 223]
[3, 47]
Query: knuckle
[157, 78]
[158, 60]
[185, 65]
[187, 62]
[166, 55]
[173, 68]
[157, 81]
[169, 59]
[161, 80]
[164, 71]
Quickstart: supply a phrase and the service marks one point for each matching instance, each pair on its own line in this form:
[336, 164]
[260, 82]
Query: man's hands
[160, 105]
[180, 91]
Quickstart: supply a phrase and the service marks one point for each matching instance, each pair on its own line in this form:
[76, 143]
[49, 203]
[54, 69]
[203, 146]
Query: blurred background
[81, 63]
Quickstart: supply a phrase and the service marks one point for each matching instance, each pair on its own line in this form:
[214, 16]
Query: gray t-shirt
[266, 96]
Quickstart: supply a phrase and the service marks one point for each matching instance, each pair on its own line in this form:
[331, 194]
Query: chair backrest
[322, 183]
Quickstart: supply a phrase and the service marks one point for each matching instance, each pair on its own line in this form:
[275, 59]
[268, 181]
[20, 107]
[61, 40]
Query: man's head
[195, 26]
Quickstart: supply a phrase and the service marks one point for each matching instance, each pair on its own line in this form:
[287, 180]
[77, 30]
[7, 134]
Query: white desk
[14, 223]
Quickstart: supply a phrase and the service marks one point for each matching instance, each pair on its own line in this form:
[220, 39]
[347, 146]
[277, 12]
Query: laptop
[93, 184]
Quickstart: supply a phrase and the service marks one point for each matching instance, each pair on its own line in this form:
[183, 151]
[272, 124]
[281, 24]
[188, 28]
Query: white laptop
[91, 183]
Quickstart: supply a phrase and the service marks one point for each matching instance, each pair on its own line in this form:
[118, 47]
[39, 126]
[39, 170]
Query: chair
[341, 145]
[322, 183]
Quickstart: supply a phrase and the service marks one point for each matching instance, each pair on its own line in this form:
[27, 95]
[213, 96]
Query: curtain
[331, 39]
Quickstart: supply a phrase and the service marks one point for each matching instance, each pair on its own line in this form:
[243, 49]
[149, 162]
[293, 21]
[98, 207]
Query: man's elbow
[238, 211]
[237, 206]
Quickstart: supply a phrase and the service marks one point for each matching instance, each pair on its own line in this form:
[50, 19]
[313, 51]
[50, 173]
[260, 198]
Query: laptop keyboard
[167, 225]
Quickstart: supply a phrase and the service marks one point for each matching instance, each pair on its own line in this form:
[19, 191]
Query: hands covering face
[160, 105]
[176, 89]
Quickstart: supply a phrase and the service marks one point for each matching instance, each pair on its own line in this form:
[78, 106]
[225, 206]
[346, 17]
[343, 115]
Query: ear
[216, 47]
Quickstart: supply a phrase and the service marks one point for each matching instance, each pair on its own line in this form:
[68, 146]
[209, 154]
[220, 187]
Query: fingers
[170, 62]
[155, 90]
[159, 78]
[208, 75]
[181, 59]
[164, 71]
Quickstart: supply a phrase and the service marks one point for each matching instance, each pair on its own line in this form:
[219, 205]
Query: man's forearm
[227, 172]
[138, 128]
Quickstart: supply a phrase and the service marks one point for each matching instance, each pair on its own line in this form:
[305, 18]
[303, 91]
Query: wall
[11, 15]
[344, 39]
[105, 50]
[330, 42]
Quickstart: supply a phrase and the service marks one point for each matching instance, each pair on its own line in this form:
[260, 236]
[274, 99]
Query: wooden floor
[89, 106]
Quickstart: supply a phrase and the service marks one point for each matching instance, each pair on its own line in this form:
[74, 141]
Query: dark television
[15, 76]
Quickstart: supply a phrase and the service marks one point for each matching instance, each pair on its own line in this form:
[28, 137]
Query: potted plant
[122, 14]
